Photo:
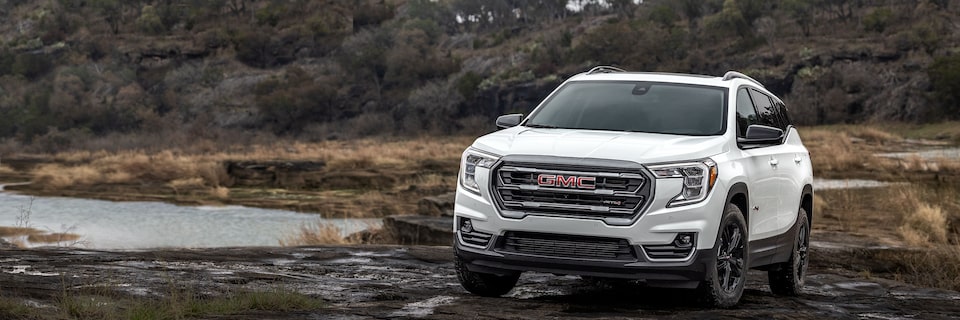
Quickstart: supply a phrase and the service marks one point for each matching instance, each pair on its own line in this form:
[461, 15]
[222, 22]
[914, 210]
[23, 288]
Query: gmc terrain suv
[681, 181]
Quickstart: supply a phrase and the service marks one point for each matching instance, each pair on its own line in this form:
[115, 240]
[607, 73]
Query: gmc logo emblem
[556, 180]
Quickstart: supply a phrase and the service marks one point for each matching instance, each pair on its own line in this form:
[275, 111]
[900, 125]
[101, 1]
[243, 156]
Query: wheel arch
[806, 202]
[739, 195]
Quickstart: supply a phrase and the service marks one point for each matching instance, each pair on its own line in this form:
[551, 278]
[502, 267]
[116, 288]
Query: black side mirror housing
[509, 120]
[759, 135]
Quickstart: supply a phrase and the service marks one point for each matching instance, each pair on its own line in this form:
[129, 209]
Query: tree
[149, 22]
[663, 15]
[944, 76]
[802, 13]
[693, 10]
[112, 12]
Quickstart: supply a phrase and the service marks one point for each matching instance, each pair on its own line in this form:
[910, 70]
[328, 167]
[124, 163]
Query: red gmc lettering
[569, 182]
[550, 180]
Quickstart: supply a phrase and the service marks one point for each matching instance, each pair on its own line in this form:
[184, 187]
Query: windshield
[635, 106]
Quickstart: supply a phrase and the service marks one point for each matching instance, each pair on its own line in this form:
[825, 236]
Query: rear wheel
[484, 284]
[725, 277]
[787, 278]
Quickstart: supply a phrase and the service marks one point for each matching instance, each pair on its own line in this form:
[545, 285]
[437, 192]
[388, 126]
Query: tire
[484, 284]
[726, 274]
[787, 278]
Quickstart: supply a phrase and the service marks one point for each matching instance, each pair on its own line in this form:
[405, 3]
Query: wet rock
[286, 174]
[363, 282]
[440, 205]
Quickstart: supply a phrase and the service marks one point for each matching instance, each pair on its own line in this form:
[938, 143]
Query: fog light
[684, 240]
[466, 226]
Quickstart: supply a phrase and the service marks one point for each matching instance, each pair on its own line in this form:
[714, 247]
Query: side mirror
[758, 135]
[510, 120]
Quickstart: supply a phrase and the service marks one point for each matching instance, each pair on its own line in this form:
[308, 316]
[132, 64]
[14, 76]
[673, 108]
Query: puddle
[828, 184]
[949, 153]
[141, 225]
[23, 269]
[422, 308]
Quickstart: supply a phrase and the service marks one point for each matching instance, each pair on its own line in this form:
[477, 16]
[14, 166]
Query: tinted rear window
[654, 107]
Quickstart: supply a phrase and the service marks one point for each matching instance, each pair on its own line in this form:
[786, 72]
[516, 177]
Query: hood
[638, 147]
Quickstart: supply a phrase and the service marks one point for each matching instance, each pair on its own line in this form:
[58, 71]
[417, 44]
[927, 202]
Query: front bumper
[686, 274]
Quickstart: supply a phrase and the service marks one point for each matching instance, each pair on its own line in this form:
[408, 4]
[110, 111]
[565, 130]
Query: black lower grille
[566, 246]
[668, 251]
[475, 238]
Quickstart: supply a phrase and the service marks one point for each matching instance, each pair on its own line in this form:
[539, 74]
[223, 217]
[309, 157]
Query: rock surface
[423, 230]
[362, 282]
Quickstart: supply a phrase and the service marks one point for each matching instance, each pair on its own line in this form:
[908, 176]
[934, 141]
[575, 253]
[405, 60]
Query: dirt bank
[415, 281]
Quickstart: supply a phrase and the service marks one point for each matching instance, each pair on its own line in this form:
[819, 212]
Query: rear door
[760, 174]
[780, 158]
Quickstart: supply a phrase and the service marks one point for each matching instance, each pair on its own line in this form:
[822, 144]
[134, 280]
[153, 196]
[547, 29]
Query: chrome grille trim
[620, 193]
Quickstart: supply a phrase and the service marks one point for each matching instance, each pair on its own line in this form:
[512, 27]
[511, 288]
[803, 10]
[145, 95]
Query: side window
[746, 114]
[784, 114]
[766, 112]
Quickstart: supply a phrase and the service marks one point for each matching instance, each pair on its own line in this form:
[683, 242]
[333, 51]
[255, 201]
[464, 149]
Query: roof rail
[605, 69]
[736, 75]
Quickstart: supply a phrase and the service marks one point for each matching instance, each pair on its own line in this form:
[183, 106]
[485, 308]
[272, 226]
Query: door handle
[774, 162]
[798, 159]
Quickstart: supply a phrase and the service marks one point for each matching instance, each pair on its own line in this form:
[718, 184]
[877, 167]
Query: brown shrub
[320, 233]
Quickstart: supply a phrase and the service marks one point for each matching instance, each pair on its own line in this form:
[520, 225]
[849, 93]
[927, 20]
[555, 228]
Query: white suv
[677, 180]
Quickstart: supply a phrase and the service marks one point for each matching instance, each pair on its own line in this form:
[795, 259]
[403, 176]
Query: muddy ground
[361, 282]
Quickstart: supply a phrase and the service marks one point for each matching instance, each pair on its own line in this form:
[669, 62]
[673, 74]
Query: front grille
[612, 193]
[566, 246]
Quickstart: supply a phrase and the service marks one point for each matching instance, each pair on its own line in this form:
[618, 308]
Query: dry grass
[924, 226]
[18, 231]
[846, 151]
[57, 237]
[179, 170]
[219, 192]
[835, 151]
[7, 170]
[323, 233]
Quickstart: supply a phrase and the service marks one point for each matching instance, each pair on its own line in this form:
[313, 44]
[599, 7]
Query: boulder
[436, 206]
[420, 230]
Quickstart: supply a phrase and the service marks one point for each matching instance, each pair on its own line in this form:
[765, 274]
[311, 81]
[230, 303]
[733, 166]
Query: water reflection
[133, 225]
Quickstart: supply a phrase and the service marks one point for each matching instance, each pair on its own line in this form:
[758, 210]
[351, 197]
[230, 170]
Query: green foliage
[149, 21]
[7, 59]
[253, 47]
[878, 19]
[429, 27]
[372, 14]
[929, 35]
[944, 76]
[31, 66]
[468, 84]
[111, 11]
[802, 13]
[271, 14]
[288, 105]
[664, 15]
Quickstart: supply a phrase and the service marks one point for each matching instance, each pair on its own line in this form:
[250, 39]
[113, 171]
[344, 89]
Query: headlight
[698, 179]
[472, 159]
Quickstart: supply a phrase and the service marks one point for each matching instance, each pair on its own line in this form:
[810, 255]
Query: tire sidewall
[731, 214]
[800, 271]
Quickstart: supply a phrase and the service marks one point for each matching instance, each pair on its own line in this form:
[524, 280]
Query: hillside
[205, 75]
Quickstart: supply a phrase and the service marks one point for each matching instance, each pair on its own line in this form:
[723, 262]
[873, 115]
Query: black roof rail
[736, 75]
[605, 69]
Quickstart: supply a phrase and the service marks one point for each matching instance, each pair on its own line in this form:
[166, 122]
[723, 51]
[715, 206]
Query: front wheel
[725, 277]
[787, 278]
[484, 284]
